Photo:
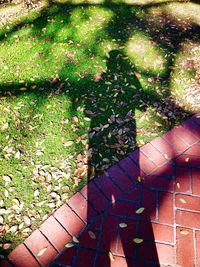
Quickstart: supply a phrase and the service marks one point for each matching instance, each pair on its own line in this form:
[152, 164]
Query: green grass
[79, 84]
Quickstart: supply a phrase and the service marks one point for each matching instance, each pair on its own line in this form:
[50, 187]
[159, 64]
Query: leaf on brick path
[68, 143]
[92, 234]
[69, 245]
[123, 225]
[184, 232]
[139, 179]
[166, 156]
[140, 210]
[42, 251]
[75, 239]
[110, 255]
[187, 159]
[138, 240]
[178, 185]
[183, 200]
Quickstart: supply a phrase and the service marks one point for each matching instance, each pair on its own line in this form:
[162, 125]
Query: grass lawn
[81, 86]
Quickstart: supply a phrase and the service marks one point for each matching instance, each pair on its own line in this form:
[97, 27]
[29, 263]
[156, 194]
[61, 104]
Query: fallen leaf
[4, 127]
[92, 235]
[110, 255]
[184, 232]
[69, 245]
[140, 210]
[68, 143]
[41, 252]
[183, 200]
[138, 240]
[75, 239]
[187, 159]
[122, 225]
[139, 179]
[23, 89]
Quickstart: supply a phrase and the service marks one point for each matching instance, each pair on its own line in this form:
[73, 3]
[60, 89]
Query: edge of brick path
[44, 244]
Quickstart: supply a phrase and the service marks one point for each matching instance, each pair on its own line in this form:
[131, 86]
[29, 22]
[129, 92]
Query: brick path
[163, 177]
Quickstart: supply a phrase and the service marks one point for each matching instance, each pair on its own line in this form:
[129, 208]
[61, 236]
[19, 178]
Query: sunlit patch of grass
[185, 78]
[188, 12]
[146, 54]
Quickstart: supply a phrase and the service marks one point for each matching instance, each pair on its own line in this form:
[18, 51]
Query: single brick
[120, 178]
[165, 208]
[178, 144]
[153, 154]
[40, 247]
[21, 257]
[81, 206]
[67, 257]
[166, 170]
[55, 233]
[133, 195]
[185, 135]
[163, 146]
[184, 247]
[85, 258]
[197, 237]
[70, 221]
[159, 182]
[188, 219]
[89, 238]
[188, 161]
[157, 232]
[182, 180]
[131, 169]
[193, 150]
[94, 196]
[188, 202]
[108, 240]
[144, 162]
[149, 203]
[196, 181]
[192, 127]
[108, 187]
[161, 253]
[123, 208]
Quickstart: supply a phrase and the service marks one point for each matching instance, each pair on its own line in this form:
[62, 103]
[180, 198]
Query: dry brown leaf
[184, 232]
[140, 210]
[110, 255]
[122, 225]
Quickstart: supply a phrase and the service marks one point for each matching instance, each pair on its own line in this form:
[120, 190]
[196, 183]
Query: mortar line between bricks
[77, 214]
[189, 132]
[137, 163]
[186, 194]
[189, 210]
[190, 175]
[195, 250]
[66, 230]
[49, 241]
[41, 265]
[174, 219]
[114, 182]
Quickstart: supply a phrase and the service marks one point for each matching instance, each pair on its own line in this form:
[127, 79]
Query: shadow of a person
[118, 94]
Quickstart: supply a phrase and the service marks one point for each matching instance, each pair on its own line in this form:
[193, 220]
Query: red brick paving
[104, 215]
